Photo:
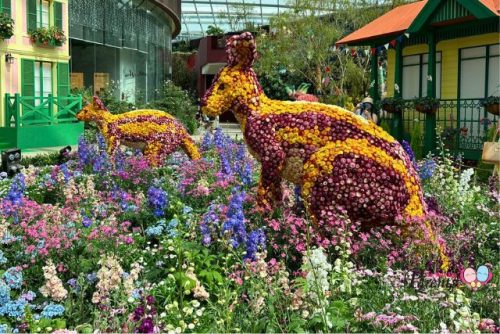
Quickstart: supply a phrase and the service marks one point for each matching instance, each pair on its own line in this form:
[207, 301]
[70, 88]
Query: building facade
[444, 49]
[124, 42]
[34, 76]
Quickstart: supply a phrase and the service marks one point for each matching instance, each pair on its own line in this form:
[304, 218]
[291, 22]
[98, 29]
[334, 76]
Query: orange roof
[391, 23]
[493, 5]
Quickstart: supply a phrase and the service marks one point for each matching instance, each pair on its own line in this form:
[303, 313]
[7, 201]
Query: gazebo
[444, 49]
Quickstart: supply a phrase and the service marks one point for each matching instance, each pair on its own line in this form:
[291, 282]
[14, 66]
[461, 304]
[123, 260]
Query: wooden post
[374, 77]
[397, 118]
[430, 120]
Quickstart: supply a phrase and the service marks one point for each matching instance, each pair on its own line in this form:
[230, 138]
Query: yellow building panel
[450, 53]
[391, 71]
[415, 49]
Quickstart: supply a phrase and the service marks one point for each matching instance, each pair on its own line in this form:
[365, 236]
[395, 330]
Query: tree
[302, 41]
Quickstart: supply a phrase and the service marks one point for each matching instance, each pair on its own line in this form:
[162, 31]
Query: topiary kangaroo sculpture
[343, 163]
[156, 132]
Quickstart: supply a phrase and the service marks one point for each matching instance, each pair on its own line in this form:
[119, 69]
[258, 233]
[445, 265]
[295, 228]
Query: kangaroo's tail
[189, 146]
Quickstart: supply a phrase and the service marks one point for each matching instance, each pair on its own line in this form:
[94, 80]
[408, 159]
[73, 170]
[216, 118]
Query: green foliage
[179, 104]
[417, 139]
[214, 31]
[182, 75]
[395, 104]
[6, 26]
[426, 104]
[47, 36]
[490, 100]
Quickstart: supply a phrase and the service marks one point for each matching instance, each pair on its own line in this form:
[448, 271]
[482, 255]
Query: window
[43, 18]
[5, 7]
[479, 72]
[415, 78]
[43, 80]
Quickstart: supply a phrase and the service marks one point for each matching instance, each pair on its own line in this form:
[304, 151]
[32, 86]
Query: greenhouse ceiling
[234, 15]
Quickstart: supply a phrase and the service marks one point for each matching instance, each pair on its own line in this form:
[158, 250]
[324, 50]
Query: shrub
[6, 26]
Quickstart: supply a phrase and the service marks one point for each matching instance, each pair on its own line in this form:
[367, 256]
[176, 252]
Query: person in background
[366, 110]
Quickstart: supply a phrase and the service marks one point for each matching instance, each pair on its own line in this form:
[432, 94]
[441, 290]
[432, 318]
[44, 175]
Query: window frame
[487, 57]
[39, 14]
[420, 72]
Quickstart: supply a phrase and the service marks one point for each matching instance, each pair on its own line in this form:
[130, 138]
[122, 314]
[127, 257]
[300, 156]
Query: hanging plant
[491, 104]
[392, 104]
[52, 36]
[426, 105]
[6, 26]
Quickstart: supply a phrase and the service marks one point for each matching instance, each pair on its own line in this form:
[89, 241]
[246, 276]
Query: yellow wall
[450, 51]
[391, 71]
[20, 47]
[449, 62]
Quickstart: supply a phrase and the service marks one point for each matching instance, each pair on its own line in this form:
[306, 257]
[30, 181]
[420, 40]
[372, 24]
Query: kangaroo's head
[92, 111]
[235, 87]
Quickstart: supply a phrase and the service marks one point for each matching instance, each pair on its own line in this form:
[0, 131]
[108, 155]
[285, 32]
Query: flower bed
[110, 244]
[52, 36]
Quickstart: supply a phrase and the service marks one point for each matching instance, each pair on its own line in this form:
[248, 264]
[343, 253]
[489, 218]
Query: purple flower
[86, 222]
[235, 219]
[138, 313]
[146, 326]
[150, 300]
[158, 200]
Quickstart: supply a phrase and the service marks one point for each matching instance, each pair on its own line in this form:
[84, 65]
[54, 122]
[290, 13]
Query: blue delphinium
[100, 163]
[235, 219]
[243, 166]
[13, 277]
[52, 310]
[16, 191]
[120, 160]
[85, 151]
[256, 240]
[101, 142]
[64, 169]
[207, 141]
[158, 200]
[427, 169]
[210, 220]
[411, 154]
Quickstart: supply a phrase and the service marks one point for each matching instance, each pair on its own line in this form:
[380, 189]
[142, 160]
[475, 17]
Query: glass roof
[233, 15]
[197, 15]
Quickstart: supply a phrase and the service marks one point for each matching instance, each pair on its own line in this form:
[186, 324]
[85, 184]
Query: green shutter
[5, 6]
[63, 88]
[58, 15]
[28, 79]
[31, 13]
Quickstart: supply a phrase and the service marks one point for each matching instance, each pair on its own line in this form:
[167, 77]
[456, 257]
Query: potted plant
[426, 105]
[6, 26]
[52, 36]
[392, 104]
[491, 104]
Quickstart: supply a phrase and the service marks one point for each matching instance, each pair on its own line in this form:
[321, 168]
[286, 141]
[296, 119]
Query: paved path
[231, 130]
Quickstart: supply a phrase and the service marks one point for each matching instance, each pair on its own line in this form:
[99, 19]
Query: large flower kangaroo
[344, 164]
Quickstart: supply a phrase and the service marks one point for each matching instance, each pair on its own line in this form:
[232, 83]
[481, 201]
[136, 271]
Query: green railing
[462, 124]
[22, 111]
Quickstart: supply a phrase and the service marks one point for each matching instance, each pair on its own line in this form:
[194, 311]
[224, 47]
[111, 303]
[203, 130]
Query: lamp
[64, 153]
[11, 159]
[9, 58]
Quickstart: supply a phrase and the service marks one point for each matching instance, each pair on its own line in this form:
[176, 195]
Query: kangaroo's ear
[241, 50]
[98, 103]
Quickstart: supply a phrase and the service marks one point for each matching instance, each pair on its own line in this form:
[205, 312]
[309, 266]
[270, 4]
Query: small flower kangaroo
[156, 132]
[343, 163]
